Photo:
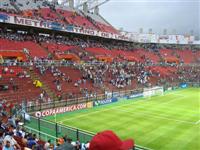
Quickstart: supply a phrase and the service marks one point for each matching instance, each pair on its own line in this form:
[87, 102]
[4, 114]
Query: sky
[179, 15]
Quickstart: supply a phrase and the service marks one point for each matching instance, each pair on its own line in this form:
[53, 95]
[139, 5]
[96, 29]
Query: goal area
[153, 91]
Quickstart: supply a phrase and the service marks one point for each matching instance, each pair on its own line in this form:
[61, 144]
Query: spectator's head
[34, 136]
[7, 145]
[109, 140]
[10, 133]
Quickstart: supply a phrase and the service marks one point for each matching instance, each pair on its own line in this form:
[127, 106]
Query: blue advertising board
[69, 28]
[4, 17]
[103, 102]
[116, 94]
[134, 95]
[183, 85]
[56, 26]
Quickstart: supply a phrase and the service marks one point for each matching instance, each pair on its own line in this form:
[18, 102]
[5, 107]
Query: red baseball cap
[108, 140]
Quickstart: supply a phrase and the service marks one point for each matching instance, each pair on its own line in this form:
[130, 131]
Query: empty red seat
[32, 47]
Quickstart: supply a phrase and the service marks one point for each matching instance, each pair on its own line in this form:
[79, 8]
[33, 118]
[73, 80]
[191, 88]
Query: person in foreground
[108, 140]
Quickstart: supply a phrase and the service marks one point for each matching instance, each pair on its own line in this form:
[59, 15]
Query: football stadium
[70, 80]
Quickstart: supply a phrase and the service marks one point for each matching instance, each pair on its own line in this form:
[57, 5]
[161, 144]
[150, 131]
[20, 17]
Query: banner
[135, 96]
[56, 26]
[99, 33]
[103, 102]
[60, 110]
[142, 38]
[4, 18]
[59, 27]
[183, 85]
[30, 22]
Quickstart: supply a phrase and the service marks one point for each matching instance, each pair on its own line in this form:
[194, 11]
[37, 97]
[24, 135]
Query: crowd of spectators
[90, 42]
[60, 78]
[9, 75]
[119, 74]
[188, 73]
[13, 135]
[124, 73]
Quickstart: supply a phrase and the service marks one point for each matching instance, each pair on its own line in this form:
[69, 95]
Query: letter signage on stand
[50, 112]
[141, 38]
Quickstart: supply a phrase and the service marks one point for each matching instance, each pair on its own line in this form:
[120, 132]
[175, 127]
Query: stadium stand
[40, 67]
[46, 11]
[33, 48]
[14, 82]
[186, 56]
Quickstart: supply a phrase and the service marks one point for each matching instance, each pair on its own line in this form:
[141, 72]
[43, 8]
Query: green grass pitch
[167, 122]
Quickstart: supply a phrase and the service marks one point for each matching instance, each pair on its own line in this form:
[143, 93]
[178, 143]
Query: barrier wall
[60, 110]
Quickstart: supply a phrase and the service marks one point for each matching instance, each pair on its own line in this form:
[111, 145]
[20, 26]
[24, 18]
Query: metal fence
[41, 135]
[46, 130]
[51, 130]
[77, 100]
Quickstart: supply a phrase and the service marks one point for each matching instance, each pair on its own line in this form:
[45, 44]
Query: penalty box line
[96, 111]
[153, 115]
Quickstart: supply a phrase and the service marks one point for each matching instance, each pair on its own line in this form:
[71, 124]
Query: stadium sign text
[141, 38]
[60, 110]
[106, 101]
[99, 33]
[102, 102]
[30, 22]
[57, 26]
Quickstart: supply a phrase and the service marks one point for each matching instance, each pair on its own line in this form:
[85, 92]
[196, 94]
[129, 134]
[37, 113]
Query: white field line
[175, 99]
[154, 115]
[149, 114]
[171, 100]
[174, 93]
[198, 122]
[178, 109]
[96, 111]
[162, 105]
[123, 105]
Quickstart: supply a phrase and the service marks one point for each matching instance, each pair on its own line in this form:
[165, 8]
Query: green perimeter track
[168, 122]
